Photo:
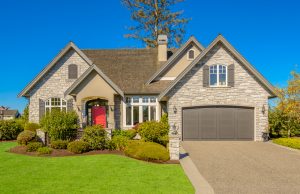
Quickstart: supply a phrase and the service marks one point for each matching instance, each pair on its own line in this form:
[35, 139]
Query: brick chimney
[162, 42]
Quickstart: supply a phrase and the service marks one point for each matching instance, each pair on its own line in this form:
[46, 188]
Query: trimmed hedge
[31, 126]
[33, 146]
[59, 144]
[25, 137]
[289, 142]
[78, 147]
[44, 150]
[95, 136]
[10, 129]
[148, 151]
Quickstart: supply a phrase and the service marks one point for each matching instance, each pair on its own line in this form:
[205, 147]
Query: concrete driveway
[246, 167]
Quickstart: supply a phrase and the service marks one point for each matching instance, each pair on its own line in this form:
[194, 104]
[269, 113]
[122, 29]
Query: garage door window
[218, 75]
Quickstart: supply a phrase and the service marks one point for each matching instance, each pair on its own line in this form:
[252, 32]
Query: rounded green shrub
[25, 137]
[59, 144]
[60, 125]
[78, 147]
[152, 131]
[33, 146]
[44, 150]
[148, 151]
[10, 129]
[31, 126]
[119, 142]
[95, 136]
[130, 133]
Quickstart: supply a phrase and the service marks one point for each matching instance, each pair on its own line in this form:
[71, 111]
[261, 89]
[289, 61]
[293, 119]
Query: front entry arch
[97, 112]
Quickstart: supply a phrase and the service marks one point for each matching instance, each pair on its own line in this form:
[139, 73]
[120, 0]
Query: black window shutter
[70, 105]
[231, 75]
[73, 71]
[205, 76]
[41, 109]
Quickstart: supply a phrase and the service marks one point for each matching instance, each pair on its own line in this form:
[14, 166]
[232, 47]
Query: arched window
[55, 104]
[191, 54]
[73, 71]
[218, 75]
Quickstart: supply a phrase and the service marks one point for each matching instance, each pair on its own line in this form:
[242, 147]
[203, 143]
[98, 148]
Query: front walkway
[246, 167]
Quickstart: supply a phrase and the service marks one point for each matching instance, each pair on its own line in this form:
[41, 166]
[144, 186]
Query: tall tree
[155, 17]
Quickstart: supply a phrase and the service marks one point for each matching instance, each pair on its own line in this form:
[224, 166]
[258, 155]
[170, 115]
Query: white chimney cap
[162, 39]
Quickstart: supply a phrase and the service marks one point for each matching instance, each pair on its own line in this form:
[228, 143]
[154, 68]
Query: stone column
[174, 141]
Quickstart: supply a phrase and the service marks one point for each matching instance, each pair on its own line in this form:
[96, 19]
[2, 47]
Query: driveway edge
[284, 147]
[197, 180]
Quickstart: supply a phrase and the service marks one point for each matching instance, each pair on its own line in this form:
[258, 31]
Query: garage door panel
[208, 126]
[191, 124]
[245, 124]
[226, 123]
[218, 123]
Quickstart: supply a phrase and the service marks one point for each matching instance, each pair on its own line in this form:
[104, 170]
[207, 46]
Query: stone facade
[174, 141]
[55, 83]
[247, 91]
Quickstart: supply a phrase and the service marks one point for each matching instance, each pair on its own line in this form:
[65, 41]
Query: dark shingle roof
[9, 112]
[129, 68]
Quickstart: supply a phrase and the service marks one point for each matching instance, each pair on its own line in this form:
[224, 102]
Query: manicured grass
[87, 174]
[289, 142]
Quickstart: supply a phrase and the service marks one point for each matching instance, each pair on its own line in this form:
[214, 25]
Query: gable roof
[129, 69]
[248, 66]
[170, 61]
[69, 46]
[86, 73]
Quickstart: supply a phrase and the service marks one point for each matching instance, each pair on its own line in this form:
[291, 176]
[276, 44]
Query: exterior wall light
[263, 109]
[174, 109]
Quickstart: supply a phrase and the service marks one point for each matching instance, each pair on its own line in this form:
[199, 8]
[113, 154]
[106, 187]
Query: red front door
[99, 115]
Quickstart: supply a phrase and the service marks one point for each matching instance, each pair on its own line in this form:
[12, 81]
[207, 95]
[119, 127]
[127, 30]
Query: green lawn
[87, 174]
[289, 142]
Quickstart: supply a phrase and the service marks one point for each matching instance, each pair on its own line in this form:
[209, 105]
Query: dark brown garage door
[218, 123]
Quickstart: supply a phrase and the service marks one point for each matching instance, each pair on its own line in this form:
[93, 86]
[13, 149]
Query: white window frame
[49, 106]
[140, 104]
[188, 55]
[218, 74]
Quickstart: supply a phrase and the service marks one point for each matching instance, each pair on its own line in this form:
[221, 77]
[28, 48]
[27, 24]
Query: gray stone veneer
[247, 91]
[55, 83]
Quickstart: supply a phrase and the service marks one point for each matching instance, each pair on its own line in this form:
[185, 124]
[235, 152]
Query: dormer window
[72, 71]
[191, 55]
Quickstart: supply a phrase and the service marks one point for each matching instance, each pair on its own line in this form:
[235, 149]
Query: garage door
[218, 123]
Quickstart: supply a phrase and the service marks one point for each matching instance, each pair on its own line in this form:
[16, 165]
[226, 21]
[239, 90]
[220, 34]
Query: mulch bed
[62, 153]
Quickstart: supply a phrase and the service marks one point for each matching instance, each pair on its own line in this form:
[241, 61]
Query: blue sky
[33, 32]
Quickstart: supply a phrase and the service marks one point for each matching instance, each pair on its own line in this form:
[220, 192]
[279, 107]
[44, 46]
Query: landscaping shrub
[59, 144]
[44, 150]
[95, 136]
[110, 145]
[130, 133]
[60, 125]
[10, 129]
[289, 142]
[78, 147]
[153, 131]
[33, 146]
[25, 137]
[119, 142]
[31, 126]
[163, 140]
[148, 151]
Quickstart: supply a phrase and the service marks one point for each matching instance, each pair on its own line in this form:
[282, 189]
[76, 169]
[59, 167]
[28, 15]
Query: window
[218, 75]
[72, 71]
[140, 109]
[191, 54]
[55, 104]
